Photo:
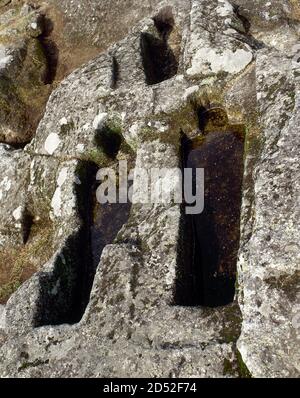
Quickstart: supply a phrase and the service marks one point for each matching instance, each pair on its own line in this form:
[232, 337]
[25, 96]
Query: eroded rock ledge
[77, 318]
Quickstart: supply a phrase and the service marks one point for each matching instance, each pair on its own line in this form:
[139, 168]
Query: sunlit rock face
[93, 290]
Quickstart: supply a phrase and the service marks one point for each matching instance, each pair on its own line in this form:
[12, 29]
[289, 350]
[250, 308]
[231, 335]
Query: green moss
[228, 368]
[126, 149]
[109, 144]
[236, 367]
[232, 323]
[242, 368]
[114, 124]
[183, 120]
[253, 142]
[96, 156]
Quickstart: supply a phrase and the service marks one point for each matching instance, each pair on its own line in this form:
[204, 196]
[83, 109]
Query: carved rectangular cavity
[209, 243]
[159, 60]
[65, 292]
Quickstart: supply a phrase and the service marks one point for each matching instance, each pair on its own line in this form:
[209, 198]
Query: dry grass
[71, 55]
[296, 9]
[17, 264]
